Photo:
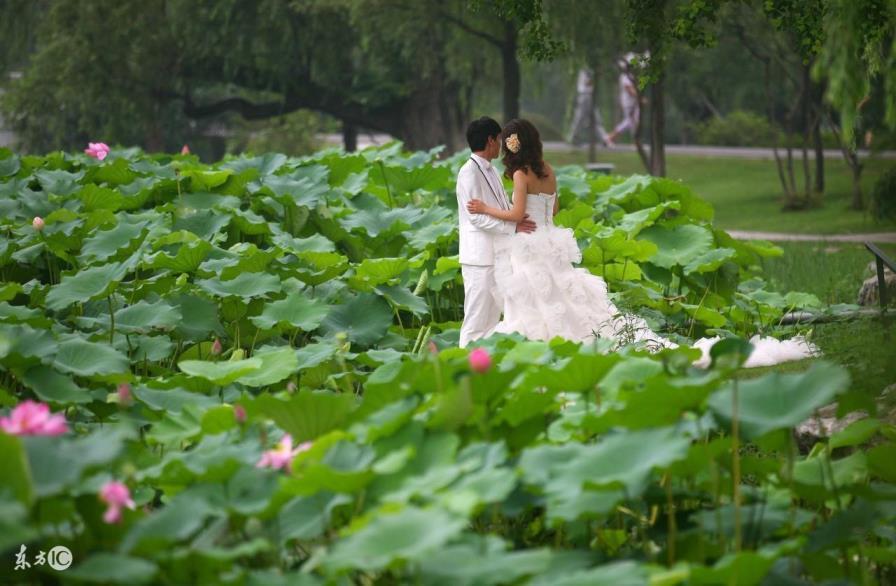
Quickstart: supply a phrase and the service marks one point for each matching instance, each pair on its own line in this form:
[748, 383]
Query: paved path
[365, 140]
[711, 151]
[781, 237]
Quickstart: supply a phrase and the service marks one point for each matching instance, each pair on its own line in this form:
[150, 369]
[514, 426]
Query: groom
[478, 179]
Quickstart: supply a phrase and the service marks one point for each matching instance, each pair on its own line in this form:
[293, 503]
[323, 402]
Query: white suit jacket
[478, 231]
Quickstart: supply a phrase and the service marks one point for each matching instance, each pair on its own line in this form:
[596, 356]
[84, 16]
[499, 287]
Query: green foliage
[883, 196]
[739, 128]
[564, 463]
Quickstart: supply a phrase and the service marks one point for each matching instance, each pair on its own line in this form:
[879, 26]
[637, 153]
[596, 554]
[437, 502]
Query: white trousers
[630, 121]
[585, 105]
[481, 311]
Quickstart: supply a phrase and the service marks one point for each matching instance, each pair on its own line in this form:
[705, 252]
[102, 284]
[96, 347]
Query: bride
[544, 295]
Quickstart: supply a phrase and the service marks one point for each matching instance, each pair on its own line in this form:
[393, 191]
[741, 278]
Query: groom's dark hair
[479, 131]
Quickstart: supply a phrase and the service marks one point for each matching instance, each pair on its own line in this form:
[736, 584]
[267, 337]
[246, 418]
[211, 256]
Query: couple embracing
[517, 264]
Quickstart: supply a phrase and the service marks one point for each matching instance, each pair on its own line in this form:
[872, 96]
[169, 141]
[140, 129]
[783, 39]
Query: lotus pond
[246, 373]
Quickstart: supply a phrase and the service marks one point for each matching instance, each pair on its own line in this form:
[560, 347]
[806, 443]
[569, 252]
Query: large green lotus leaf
[176, 521]
[58, 182]
[364, 318]
[435, 234]
[85, 285]
[626, 458]
[622, 573]
[16, 476]
[172, 400]
[616, 245]
[205, 180]
[187, 259]
[573, 216]
[295, 311]
[9, 163]
[201, 201]
[380, 221]
[117, 172]
[83, 358]
[143, 317]
[779, 401]
[265, 164]
[634, 222]
[100, 198]
[376, 271]
[105, 243]
[245, 286]
[315, 354]
[319, 267]
[679, 245]
[113, 568]
[403, 298]
[54, 387]
[305, 186]
[57, 462]
[313, 243]
[205, 223]
[305, 415]
[276, 365]
[248, 222]
[400, 180]
[25, 345]
[578, 373]
[23, 315]
[342, 165]
[307, 517]
[174, 428]
[203, 314]
[220, 373]
[690, 205]
[410, 535]
[710, 261]
[494, 563]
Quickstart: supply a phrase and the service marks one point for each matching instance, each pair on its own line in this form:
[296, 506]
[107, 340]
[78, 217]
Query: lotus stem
[111, 320]
[386, 181]
[735, 470]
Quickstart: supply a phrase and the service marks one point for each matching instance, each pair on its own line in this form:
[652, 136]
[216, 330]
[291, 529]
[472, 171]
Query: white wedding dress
[543, 295]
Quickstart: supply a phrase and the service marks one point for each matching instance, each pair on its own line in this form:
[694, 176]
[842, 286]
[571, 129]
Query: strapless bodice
[540, 207]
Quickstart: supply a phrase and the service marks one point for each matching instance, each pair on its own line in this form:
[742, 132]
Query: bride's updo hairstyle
[524, 150]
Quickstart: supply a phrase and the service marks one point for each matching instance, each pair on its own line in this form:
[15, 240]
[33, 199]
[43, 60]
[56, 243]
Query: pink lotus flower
[282, 455]
[480, 361]
[37, 223]
[239, 413]
[124, 394]
[97, 150]
[116, 495]
[216, 347]
[433, 349]
[185, 150]
[32, 418]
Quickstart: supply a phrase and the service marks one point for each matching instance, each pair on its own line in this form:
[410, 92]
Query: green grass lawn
[834, 272]
[747, 193]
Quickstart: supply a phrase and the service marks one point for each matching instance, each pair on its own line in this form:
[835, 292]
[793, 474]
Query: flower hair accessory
[513, 143]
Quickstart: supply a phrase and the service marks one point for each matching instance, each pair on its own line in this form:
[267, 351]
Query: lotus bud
[37, 223]
[422, 282]
[238, 354]
[185, 150]
[291, 387]
[480, 361]
[239, 414]
[125, 397]
[181, 280]
[216, 347]
[433, 349]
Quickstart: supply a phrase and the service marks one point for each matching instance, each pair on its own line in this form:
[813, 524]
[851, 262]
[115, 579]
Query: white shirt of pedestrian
[584, 82]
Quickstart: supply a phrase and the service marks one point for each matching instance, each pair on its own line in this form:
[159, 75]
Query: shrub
[883, 196]
[739, 128]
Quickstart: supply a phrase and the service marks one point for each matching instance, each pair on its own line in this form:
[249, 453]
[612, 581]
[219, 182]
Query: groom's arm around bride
[478, 179]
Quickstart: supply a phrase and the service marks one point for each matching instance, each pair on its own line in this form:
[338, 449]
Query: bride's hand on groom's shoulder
[476, 206]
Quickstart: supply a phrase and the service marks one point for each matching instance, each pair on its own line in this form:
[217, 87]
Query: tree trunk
[858, 202]
[349, 137]
[512, 77]
[818, 113]
[657, 129]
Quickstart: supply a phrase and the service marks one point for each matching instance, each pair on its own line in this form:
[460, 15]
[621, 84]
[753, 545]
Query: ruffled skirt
[544, 296]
